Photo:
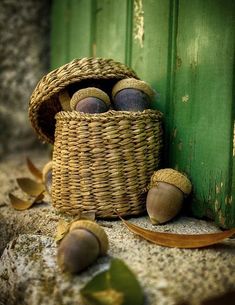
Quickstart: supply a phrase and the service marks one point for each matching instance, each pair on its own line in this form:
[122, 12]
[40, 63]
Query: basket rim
[111, 114]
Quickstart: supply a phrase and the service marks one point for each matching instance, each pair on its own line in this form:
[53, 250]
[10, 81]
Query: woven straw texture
[103, 162]
[78, 74]
[172, 176]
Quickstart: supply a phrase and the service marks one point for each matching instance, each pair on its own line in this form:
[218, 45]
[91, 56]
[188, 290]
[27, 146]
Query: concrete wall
[24, 58]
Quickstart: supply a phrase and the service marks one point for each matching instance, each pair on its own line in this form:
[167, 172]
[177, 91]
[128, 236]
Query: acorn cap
[173, 177]
[88, 92]
[133, 83]
[95, 229]
[47, 167]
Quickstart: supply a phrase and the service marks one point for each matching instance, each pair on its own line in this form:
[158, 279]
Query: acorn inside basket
[101, 162]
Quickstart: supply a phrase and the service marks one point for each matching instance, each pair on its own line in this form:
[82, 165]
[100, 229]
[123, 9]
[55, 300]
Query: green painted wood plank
[59, 33]
[151, 35]
[81, 25]
[129, 30]
[202, 104]
[111, 20]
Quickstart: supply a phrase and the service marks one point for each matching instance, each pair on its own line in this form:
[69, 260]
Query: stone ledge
[29, 272]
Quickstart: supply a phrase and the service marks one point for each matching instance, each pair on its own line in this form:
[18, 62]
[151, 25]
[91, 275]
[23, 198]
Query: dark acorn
[84, 243]
[90, 100]
[132, 95]
[91, 105]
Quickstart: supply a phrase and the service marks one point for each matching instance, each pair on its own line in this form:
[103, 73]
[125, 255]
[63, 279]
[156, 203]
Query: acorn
[90, 100]
[47, 176]
[84, 243]
[131, 94]
[167, 190]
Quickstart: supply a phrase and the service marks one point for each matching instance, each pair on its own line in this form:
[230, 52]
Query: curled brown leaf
[187, 241]
[30, 186]
[63, 225]
[34, 170]
[62, 229]
[88, 215]
[21, 205]
[39, 198]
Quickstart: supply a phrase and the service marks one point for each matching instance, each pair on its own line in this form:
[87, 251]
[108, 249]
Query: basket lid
[79, 73]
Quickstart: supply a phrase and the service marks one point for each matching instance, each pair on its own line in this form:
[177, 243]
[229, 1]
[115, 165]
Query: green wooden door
[185, 50]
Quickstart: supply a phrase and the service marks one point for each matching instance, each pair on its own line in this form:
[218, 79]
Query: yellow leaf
[39, 198]
[179, 240]
[34, 170]
[30, 186]
[88, 215]
[19, 204]
[62, 229]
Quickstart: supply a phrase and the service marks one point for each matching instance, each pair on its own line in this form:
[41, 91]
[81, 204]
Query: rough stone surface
[29, 273]
[24, 58]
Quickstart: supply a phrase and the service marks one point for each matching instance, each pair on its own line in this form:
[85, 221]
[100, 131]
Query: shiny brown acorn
[132, 95]
[47, 176]
[168, 188]
[84, 243]
[90, 100]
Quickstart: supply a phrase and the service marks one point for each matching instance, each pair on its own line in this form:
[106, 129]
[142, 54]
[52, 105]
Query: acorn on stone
[84, 243]
[47, 176]
[90, 100]
[167, 190]
[131, 94]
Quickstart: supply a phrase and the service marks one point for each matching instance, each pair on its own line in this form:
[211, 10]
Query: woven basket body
[103, 163]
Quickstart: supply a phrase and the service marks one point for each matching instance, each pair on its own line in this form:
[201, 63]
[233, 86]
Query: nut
[168, 188]
[132, 95]
[90, 100]
[84, 243]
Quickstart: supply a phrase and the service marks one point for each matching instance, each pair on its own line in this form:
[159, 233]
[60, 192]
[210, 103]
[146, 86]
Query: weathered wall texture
[24, 58]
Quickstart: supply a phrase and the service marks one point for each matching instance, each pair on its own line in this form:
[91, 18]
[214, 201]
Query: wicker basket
[80, 73]
[101, 162]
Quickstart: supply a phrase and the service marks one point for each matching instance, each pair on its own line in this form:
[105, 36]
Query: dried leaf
[62, 229]
[39, 198]
[63, 226]
[30, 186]
[88, 215]
[179, 240]
[34, 170]
[116, 286]
[19, 204]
